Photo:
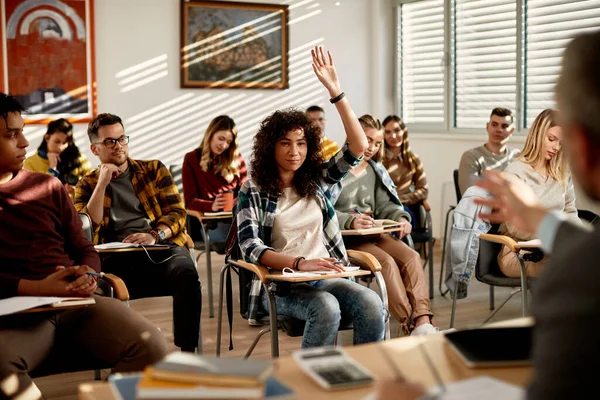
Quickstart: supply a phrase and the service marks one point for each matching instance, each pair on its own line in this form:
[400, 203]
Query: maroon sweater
[201, 187]
[39, 230]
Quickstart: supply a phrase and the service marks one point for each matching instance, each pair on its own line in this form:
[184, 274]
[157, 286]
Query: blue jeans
[322, 304]
[219, 234]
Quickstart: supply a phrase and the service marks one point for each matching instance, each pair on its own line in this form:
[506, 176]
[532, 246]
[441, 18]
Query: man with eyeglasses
[134, 201]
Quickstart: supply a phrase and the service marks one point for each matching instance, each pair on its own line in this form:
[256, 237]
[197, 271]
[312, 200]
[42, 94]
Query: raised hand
[325, 70]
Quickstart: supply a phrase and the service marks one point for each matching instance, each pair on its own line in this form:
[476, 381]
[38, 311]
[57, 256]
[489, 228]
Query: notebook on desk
[121, 245]
[24, 304]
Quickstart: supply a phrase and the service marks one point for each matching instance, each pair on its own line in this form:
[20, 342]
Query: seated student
[213, 168]
[44, 252]
[495, 154]
[368, 192]
[317, 116]
[404, 166]
[285, 219]
[543, 167]
[135, 201]
[59, 156]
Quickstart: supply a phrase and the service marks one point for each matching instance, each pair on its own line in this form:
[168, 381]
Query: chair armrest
[119, 287]
[501, 239]
[258, 270]
[426, 205]
[195, 214]
[365, 260]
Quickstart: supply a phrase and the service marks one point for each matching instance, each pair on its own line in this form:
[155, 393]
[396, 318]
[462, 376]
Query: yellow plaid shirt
[156, 190]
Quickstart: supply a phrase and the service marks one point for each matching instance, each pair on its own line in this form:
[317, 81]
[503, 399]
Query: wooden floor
[470, 313]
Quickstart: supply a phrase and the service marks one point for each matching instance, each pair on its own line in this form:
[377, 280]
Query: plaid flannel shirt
[387, 181]
[156, 190]
[256, 217]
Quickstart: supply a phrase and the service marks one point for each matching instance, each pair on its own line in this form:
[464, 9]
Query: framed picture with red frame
[47, 58]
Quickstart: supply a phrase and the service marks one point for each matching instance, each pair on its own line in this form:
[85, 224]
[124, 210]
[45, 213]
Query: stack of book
[189, 376]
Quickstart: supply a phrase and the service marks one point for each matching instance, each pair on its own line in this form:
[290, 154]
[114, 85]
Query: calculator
[332, 368]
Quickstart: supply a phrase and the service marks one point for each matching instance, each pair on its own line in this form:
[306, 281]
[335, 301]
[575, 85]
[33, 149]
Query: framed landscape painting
[234, 45]
[47, 58]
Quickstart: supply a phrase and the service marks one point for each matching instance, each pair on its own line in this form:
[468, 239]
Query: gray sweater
[473, 162]
[367, 194]
[551, 194]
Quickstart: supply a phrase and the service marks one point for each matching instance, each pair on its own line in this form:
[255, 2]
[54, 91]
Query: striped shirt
[411, 184]
[156, 190]
[256, 216]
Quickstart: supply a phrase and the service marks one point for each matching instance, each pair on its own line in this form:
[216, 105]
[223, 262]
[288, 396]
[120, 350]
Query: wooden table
[202, 218]
[404, 351]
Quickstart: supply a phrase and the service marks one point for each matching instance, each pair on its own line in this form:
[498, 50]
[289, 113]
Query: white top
[298, 227]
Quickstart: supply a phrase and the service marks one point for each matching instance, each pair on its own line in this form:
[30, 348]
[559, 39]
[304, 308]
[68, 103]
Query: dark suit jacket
[566, 306]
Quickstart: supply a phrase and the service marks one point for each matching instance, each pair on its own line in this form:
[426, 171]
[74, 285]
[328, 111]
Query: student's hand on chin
[140, 238]
[320, 264]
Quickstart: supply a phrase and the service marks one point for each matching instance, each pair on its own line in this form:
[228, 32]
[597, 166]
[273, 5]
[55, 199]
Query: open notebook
[18, 304]
[380, 226]
[121, 245]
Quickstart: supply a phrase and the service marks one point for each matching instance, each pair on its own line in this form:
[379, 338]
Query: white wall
[165, 121]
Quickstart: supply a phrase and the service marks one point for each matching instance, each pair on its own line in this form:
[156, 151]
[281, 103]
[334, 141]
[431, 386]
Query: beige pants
[402, 271]
[510, 266]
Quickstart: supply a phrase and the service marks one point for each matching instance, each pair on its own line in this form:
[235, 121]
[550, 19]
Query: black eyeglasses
[110, 143]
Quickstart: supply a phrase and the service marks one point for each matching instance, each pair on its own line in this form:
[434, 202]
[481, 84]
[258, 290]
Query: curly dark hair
[265, 171]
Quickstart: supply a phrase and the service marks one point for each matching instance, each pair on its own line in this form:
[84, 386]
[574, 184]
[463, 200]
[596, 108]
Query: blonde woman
[212, 169]
[368, 192]
[543, 167]
[404, 166]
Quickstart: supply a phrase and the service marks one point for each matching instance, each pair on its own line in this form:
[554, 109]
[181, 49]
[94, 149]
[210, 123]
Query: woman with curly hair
[212, 169]
[286, 219]
[404, 166]
[57, 155]
[368, 192]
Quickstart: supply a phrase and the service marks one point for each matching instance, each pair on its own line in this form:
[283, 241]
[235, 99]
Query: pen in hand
[96, 274]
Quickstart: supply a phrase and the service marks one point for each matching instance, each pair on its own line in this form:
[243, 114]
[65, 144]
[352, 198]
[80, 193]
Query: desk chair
[291, 326]
[87, 228]
[458, 197]
[488, 271]
[423, 234]
[198, 227]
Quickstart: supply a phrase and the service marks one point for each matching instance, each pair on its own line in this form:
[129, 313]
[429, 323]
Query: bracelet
[155, 235]
[297, 262]
[337, 98]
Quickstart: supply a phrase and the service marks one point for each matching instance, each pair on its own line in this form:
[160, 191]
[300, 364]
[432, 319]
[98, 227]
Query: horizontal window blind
[484, 62]
[422, 87]
[549, 26]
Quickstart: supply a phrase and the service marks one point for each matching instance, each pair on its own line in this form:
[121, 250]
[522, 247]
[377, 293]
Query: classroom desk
[203, 219]
[404, 351]
[367, 232]
[131, 249]
[277, 276]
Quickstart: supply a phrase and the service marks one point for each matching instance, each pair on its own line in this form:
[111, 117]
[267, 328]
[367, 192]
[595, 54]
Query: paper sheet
[20, 303]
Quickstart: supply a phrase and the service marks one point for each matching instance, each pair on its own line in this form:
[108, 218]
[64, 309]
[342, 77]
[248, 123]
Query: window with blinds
[549, 26]
[421, 75]
[484, 62]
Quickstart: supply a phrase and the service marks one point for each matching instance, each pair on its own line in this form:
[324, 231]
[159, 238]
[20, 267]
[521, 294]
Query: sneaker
[425, 329]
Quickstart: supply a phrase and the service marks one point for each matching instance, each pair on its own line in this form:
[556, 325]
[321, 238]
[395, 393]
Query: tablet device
[493, 347]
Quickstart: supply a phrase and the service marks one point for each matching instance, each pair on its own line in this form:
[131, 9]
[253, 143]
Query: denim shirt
[464, 240]
[256, 212]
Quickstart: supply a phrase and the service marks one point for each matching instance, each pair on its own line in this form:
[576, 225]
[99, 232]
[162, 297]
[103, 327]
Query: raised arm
[327, 75]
